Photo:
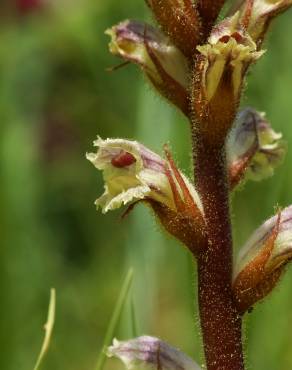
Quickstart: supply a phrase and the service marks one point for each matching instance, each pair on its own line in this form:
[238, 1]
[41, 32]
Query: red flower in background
[27, 6]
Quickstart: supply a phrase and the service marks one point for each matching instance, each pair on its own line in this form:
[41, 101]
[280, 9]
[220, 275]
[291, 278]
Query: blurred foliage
[55, 97]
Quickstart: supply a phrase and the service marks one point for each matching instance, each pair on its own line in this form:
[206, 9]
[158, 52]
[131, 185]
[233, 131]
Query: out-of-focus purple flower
[150, 353]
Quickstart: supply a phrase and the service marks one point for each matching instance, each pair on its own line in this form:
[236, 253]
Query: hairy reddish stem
[209, 11]
[220, 321]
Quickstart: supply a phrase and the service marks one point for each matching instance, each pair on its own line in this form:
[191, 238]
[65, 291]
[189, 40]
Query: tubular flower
[133, 173]
[258, 14]
[163, 64]
[254, 149]
[220, 70]
[150, 353]
[261, 261]
[229, 50]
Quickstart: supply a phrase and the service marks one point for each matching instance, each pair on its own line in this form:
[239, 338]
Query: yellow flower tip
[235, 50]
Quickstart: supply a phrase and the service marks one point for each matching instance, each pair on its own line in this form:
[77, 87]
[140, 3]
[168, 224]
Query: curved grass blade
[48, 329]
[134, 320]
[115, 318]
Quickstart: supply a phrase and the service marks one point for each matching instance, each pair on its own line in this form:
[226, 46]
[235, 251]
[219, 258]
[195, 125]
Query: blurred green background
[55, 97]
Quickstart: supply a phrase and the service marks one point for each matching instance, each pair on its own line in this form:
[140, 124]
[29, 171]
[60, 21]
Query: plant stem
[220, 321]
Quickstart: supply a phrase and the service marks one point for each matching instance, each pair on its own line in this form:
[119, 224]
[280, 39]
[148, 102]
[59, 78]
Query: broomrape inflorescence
[200, 66]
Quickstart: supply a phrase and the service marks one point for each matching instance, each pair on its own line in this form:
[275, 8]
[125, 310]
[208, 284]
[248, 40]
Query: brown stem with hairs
[209, 11]
[220, 321]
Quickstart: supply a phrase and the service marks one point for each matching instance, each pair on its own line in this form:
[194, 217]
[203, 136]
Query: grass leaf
[115, 318]
[48, 329]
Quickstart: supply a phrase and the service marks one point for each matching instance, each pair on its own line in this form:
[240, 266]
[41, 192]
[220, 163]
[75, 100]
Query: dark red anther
[237, 36]
[225, 39]
[123, 159]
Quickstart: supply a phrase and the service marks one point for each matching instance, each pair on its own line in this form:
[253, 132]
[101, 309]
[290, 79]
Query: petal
[108, 202]
[150, 353]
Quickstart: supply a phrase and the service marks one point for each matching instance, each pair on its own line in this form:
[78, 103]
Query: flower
[133, 173]
[220, 69]
[229, 50]
[150, 353]
[163, 63]
[254, 149]
[262, 259]
[258, 14]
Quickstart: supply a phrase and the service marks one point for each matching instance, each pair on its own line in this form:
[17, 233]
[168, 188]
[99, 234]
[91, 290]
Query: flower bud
[133, 173]
[254, 149]
[163, 64]
[150, 353]
[258, 14]
[220, 71]
[261, 261]
[180, 21]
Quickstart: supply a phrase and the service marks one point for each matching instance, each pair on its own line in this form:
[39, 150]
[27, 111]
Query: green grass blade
[48, 329]
[134, 320]
[115, 318]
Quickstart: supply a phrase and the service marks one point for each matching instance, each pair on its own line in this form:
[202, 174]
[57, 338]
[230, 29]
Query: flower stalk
[220, 322]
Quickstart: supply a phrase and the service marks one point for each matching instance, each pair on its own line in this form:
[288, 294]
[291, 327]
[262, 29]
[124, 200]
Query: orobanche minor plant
[200, 66]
